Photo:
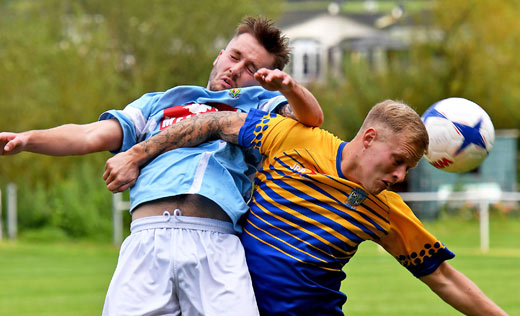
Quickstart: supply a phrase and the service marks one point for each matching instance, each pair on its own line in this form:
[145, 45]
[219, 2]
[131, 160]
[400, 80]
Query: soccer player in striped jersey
[317, 198]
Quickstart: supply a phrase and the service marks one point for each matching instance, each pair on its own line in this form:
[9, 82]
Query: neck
[349, 161]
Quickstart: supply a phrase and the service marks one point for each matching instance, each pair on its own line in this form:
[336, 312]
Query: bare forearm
[60, 141]
[70, 139]
[303, 105]
[190, 132]
[461, 293]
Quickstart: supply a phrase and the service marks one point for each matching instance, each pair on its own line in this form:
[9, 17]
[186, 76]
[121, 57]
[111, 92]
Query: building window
[305, 65]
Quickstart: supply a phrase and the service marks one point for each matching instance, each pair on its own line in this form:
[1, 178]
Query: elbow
[96, 143]
[313, 120]
[315, 116]
[319, 119]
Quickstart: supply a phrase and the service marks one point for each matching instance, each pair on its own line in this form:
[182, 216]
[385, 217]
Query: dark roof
[290, 18]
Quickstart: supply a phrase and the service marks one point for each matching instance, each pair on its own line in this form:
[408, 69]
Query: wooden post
[484, 225]
[12, 219]
[117, 219]
[1, 222]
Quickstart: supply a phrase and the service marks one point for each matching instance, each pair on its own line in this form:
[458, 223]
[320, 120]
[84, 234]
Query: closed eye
[398, 161]
[251, 69]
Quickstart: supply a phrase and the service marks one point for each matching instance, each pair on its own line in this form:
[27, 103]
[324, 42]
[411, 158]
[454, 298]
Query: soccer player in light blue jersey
[183, 254]
[317, 198]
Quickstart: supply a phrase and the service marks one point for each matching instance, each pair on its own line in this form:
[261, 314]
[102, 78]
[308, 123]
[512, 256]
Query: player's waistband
[177, 220]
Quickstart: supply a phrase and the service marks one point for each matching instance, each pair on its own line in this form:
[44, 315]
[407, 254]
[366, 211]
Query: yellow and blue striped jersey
[307, 220]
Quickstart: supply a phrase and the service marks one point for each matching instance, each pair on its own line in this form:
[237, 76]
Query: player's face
[235, 66]
[386, 162]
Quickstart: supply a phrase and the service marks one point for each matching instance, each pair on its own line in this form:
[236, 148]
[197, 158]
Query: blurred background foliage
[68, 61]
[472, 55]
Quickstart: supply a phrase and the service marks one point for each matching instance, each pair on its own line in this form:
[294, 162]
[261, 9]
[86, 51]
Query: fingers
[106, 174]
[262, 72]
[111, 180]
[124, 187]
[118, 186]
[260, 76]
[115, 183]
[268, 75]
[268, 79]
[8, 142]
[274, 79]
[119, 175]
[8, 147]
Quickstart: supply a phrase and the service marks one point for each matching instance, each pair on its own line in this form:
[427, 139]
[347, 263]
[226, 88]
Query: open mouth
[227, 82]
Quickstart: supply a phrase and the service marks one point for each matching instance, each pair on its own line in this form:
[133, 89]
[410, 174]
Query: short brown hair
[402, 121]
[269, 36]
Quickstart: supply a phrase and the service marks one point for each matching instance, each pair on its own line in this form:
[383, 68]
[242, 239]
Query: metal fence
[483, 197]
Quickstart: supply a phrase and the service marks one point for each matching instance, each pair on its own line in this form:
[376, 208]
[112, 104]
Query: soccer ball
[461, 134]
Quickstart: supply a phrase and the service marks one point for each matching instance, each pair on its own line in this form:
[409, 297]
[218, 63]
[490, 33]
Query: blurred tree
[474, 57]
[478, 53]
[68, 61]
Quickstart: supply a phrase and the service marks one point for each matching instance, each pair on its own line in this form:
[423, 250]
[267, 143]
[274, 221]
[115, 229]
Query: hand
[12, 143]
[121, 172]
[274, 79]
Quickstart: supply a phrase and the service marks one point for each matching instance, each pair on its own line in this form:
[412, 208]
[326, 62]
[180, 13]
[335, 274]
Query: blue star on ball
[432, 112]
[471, 135]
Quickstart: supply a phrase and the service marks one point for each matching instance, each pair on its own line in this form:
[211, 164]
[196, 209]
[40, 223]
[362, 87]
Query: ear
[369, 136]
[218, 56]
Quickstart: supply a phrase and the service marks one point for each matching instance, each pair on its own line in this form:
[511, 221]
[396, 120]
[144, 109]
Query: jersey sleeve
[270, 133]
[274, 134]
[410, 243]
[251, 131]
[133, 119]
[273, 104]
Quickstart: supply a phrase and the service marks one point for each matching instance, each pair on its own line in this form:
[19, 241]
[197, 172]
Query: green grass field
[71, 278]
[54, 279]
[377, 285]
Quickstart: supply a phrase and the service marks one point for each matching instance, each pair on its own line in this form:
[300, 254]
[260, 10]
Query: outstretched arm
[122, 170]
[460, 292]
[302, 106]
[69, 139]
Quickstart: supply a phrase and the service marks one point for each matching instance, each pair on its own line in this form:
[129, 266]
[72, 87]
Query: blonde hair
[402, 121]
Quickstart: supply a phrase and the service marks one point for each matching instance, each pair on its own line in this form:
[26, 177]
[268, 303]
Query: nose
[399, 174]
[237, 69]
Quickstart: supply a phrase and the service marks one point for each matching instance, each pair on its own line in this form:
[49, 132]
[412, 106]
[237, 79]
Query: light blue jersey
[216, 170]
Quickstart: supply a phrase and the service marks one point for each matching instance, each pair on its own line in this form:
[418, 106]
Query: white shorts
[176, 264]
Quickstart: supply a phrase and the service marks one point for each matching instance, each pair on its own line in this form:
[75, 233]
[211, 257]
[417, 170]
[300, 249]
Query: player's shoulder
[391, 198]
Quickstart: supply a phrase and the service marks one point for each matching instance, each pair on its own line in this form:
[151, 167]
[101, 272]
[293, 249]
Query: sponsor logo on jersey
[181, 112]
[234, 93]
[300, 170]
[356, 197]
